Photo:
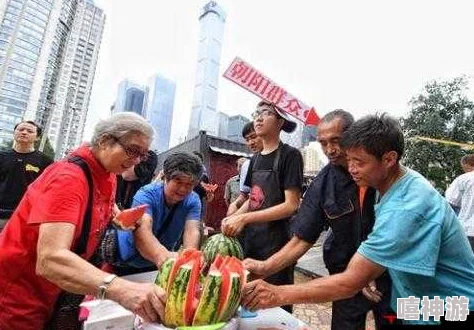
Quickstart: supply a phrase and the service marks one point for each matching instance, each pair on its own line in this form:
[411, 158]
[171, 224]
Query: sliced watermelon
[192, 289]
[225, 292]
[128, 218]
[186, 256]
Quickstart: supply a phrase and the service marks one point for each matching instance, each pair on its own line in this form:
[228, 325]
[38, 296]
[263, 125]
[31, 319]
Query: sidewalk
[309, 266]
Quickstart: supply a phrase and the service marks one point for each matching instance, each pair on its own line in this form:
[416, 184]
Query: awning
[229, 152]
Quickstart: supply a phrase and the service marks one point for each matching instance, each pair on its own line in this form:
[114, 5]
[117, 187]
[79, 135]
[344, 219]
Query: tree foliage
[441, 111]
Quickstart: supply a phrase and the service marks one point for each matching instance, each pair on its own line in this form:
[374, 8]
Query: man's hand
[371, 292]
[260, 294]
[233, 225]
[256, 268]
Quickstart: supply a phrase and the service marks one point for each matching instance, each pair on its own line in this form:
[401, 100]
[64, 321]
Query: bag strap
[86, 224]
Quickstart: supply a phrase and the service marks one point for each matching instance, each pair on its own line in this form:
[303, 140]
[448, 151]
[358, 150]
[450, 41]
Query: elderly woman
[39, 258]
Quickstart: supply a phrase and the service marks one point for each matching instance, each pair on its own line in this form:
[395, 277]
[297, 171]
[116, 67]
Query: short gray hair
[122, 124]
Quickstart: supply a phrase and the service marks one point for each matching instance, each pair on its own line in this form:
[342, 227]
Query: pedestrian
[19, 166]
[275, 176]
[333, 199]
[46, 247]
[173, 216]
[232, 186]
[133, 179]
[416, 238]
[254, 143]
[460, 194]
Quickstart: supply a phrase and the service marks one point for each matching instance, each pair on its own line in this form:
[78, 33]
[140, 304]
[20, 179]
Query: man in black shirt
[19, 167]
[275, 176]
[333, 199]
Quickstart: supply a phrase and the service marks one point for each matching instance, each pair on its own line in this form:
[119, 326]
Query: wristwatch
[105, 285]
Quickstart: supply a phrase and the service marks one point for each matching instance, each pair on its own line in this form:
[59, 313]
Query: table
[266, 318]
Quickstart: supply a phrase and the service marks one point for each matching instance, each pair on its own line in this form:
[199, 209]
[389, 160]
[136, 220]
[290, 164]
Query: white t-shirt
[461, 194]
[243, 174]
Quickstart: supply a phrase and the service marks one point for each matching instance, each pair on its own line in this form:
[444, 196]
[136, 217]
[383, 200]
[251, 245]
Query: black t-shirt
[17, 171]
[332, 200]
[290, 167]
[127, 189]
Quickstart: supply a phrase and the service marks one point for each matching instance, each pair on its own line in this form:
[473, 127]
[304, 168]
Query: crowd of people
[391, 234]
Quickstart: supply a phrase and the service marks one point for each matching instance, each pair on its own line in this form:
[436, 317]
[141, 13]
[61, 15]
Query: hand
[145, 299]
[209, 196]
[371, 292]
[260, 294]
[233, 225]
[232, 209]
[255, 267]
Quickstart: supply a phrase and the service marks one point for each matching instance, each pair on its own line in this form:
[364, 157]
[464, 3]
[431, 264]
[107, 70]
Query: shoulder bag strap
[86, 225]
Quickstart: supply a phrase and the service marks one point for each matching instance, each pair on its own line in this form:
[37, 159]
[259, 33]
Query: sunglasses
[133, 152]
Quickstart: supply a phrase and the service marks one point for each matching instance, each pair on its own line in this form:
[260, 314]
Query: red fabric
[58, 195]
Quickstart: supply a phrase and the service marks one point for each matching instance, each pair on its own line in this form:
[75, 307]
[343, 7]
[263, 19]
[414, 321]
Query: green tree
[441, 111]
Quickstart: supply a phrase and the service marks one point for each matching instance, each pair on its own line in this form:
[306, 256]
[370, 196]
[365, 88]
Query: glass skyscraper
[204, 110]
[159, 110]
[130, 97]
[48, 53]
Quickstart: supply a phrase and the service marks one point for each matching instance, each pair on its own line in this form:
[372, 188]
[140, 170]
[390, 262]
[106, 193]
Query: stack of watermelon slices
[200, 299]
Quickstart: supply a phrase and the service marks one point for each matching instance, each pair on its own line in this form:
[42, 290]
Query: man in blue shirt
[416, 237]
[173, 216]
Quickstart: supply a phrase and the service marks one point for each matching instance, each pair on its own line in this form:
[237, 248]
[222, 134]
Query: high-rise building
[234, 130]
[295, 138]
[223, 124]
[76, 77]
[204, 109]
[310, 134]
[130, 97]
[159, 110]
[27, 31]
[48, 52]
[312, 159]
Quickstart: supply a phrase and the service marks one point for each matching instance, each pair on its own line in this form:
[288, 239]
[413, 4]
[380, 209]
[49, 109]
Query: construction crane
[465, 146]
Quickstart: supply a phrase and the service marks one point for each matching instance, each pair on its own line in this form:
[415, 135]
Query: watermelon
[186, 304]
[206, 312]
[128, 218]
[164, 273]
[223, 245]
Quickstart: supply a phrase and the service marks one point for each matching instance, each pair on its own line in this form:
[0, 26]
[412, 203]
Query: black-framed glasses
[133, 152]
[263, 113]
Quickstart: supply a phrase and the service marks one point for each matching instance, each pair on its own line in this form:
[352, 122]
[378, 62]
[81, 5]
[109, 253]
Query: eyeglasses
[263, 113]
[133, 152]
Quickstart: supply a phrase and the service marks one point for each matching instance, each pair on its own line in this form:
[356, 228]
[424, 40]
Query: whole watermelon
[223, 245]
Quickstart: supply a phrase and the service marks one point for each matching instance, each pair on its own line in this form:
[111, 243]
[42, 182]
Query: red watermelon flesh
[128, 218]
[192, 291]
[186, 256]
[225, 291]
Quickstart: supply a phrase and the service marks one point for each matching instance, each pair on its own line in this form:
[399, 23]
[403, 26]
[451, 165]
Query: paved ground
[317, 316]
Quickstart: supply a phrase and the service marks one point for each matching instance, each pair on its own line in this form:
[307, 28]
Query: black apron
[262, 240]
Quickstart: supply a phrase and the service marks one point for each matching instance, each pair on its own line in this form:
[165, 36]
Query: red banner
[246, 76]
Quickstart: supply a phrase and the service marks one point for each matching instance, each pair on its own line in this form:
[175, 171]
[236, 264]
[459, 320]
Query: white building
[48, 52]
[313, 158]
[27, 35]
[204, 109]
[76, 77]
